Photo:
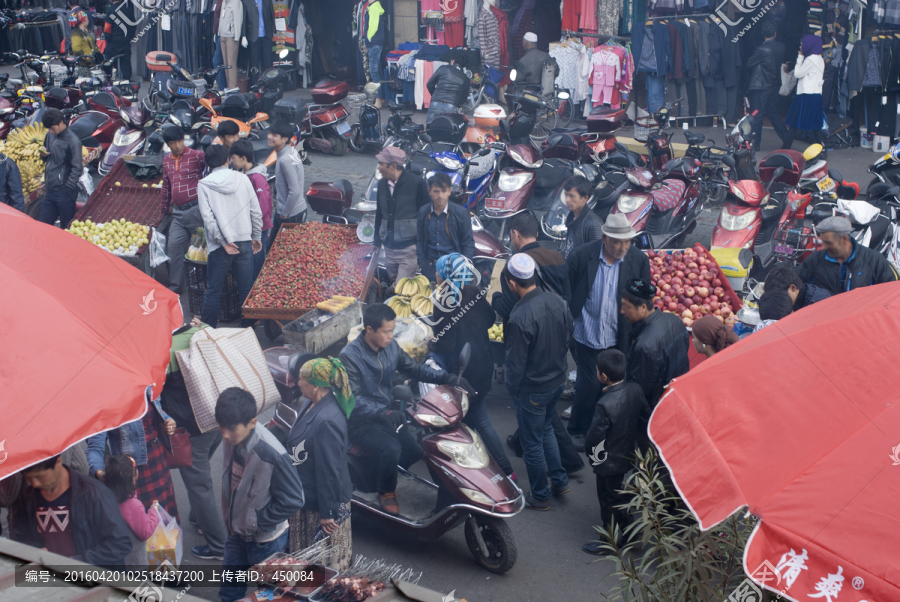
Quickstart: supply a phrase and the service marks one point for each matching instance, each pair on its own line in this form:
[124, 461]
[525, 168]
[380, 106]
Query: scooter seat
[413, 127]
[578, 130]
[395, 107]
[694, 139]
[85, 126]
[550, 176]
[879, 228]
[105, 99]
[57, 93]
[773, 209]
[668, 196]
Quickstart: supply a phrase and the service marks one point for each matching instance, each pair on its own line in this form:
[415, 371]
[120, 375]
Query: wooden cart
[365, 259]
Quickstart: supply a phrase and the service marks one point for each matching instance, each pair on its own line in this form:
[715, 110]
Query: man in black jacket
[530, 68]
[442, 227]
[552, 276]
[598, 272]
[659, 342]
[765, 79]
[612, 438]
[535, 374]
[11, 184]
[118, 31]
[843, 264]
[582, 224]
[399, 197]
[449, 87]
[62, 152]
[69, 514]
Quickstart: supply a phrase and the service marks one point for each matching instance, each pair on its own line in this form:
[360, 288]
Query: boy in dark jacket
[618, 417]
[62, 152]
[260, 488]
[442, 227]
[70, 514]
[784, 278]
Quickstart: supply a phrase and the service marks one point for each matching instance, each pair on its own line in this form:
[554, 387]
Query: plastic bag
[157, 249]
[788, 83]
[166, 541]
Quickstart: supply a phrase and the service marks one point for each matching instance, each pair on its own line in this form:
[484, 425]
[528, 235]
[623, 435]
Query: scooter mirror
[835, 175]
[207, 104]
[512, 75]
[778, 173]
[729, 161]
[296, 361]
[404, 395]
[165, 106]
[283, 53]
[464, 357]
[895, 191]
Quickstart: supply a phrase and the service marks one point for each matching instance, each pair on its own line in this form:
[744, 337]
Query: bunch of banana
[23, 146]
[400, 305]
[495, 332]
[409, 287]
[421, 305]
[336, 304]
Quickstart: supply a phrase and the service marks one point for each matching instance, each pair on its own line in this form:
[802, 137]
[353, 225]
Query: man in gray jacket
[233, 223]
[261, 489]
[290, 194]
[530, 68]
[62, 152]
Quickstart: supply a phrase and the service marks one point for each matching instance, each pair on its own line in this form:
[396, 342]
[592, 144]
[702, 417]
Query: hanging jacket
[374, 25]
[856, 65]
[665, 60]
[731, 58]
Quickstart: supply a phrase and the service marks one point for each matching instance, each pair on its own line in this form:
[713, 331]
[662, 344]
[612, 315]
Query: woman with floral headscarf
[318, 443]
[463, 315]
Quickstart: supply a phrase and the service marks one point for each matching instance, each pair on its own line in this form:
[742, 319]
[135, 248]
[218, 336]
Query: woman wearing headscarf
[710, 335]
[318, 443]
[806, 112]
[463, 315]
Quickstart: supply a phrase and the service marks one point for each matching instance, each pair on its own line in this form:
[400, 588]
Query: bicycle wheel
[566, 112]
[546, 120]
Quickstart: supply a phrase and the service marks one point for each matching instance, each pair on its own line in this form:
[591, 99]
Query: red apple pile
[307, 265]
[689, 285]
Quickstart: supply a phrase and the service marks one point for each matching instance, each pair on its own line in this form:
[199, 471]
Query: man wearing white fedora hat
[598, 272]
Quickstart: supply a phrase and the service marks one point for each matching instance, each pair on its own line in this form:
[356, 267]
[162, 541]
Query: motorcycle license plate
[825, 185]
[495, 203]
[343, 128]
[186, 91]
[784, 250]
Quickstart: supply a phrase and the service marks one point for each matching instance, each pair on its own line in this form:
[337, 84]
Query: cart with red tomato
[308, 264]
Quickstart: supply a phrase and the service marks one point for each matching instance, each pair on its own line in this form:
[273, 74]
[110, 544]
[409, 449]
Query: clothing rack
[600, 36]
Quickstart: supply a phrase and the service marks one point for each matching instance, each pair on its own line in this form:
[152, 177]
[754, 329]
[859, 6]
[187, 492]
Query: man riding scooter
[371, 361]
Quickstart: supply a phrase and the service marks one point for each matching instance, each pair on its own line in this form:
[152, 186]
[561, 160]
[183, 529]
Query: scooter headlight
[513, 181]
[733, 222]
[123, 139]
[466, 455]
[175, 119]
[450, 163]
[477, 496]
[6, 111]
[629, 202]
[432, 419]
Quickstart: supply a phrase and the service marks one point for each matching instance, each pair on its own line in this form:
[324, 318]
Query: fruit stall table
[33, 207]
[135, 200]
[308, 263]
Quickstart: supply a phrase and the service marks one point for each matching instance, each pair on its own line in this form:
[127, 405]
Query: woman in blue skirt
[806, 112]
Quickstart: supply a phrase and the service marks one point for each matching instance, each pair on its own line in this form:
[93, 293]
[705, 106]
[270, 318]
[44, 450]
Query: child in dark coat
[619, 415]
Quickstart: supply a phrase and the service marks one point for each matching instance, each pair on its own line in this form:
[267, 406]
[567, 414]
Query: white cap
[521, 265]
[530, 37]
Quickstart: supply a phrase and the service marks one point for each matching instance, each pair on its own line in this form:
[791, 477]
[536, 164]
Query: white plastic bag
[87, 182]
[166, 541]
[157, 249]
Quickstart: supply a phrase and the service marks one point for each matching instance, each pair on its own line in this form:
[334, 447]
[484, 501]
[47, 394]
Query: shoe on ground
[578, 442]
[205, 553]
[533, 504]
[516, 449]
[567, 413]
[593, 548]
[388, 501]
[561, 490]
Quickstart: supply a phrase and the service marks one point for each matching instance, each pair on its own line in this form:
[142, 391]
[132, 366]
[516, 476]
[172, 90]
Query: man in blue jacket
[442, 227]
[371, 361]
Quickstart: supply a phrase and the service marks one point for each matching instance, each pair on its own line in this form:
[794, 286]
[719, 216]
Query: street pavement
[550, 562]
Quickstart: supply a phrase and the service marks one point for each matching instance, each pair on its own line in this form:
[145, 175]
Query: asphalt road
[550, 565]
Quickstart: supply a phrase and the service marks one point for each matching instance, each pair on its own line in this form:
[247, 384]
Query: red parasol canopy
[84, 335]
[800, 423]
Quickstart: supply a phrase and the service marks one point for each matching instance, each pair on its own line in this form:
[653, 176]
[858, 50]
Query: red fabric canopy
[800, 423]
[82, 340]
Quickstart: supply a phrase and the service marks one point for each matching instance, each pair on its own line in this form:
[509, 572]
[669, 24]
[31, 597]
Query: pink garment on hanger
[429, 71]
[603, 94]
[587, 20]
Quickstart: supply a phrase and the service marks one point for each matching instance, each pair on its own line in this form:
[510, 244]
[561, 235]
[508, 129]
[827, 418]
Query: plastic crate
[195, 276]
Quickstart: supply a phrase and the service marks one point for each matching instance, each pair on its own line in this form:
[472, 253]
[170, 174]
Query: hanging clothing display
[471, 14]
[609, 13]
[503, 29]
[489, 36]
[587, 20]
[433, 19]
[454, 23]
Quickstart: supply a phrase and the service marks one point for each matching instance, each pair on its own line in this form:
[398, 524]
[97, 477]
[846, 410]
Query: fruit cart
[291, 283]
[119, 195]
[33, 199]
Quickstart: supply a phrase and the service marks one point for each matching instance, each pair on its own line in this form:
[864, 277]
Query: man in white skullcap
[843, 264]
[531, 65]
[537, 333]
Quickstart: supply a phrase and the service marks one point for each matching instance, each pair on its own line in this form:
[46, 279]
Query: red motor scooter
[324, 123]
[467, 485]
[99, 124]
[130, 138]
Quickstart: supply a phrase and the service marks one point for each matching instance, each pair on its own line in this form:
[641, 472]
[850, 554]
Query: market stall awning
[800, 424]
[84, 334]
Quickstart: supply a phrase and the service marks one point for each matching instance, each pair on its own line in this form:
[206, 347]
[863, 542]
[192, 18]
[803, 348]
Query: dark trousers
[533, 413]
[390, 448]
[260, 258]
[218, 264]
[260, 58]
[201, 492]
[609, 498]
[571, 459]
[716, 98]
[765, 103]
[123, 48]
[690, 88]
[818, 137]
[240, 555]
[58, 203]
[276, 224]
[587, 388]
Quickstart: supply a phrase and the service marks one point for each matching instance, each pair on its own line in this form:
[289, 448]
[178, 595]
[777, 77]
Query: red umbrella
[84, 335]
[800, 424]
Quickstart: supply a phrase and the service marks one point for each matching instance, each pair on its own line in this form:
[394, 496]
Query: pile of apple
[689, 285]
